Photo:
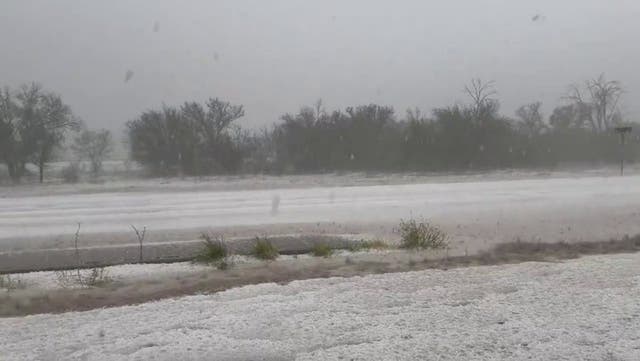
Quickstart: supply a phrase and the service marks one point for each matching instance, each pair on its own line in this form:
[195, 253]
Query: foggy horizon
[275, 57]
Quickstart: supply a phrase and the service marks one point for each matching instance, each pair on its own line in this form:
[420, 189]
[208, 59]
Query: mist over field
[275, 56]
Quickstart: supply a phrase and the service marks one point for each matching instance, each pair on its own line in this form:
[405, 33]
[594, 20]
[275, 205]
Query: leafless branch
[480, 92]
[77, 253]
[140, 236]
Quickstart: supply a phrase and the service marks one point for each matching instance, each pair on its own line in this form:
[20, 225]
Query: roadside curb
[160, 252]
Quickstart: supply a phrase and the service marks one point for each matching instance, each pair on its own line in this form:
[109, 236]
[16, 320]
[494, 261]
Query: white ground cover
[129, 273]
[584, 309]
[123, 273]
[591, 208]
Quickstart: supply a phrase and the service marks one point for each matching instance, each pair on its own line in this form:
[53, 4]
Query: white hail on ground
[585, 309]
[591, 208]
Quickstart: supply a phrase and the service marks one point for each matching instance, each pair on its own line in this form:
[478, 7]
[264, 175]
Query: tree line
[201, 139]
[373, 137]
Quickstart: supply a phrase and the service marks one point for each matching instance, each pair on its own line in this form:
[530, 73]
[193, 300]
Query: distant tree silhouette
[192, 139]
[94, 146]
[33, 125]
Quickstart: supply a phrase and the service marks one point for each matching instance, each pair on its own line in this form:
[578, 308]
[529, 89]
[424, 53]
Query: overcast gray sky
[274, 56]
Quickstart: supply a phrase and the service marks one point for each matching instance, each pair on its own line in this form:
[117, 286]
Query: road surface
[590, 208]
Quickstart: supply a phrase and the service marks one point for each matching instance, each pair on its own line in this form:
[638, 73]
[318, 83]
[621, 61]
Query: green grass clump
[265, 250]
[421, 235]
[322, 250]
[215, 251]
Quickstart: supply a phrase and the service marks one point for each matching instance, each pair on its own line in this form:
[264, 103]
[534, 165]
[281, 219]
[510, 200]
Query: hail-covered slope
[584, 309]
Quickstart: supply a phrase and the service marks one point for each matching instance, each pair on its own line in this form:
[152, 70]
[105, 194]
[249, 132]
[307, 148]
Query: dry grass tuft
[265, 250]
[215, 252]
[421, 235]
[322, 250]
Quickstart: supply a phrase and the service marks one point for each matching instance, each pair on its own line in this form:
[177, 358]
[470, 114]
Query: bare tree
[44, 119]
[531, 119]
[598, 102]
[605, 95]
[482, 96]
[318, 107]
[10, 150]
[94, 146]
[76, 238]
[140, 236]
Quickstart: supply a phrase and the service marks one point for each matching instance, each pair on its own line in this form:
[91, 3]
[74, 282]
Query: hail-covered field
[584, 309]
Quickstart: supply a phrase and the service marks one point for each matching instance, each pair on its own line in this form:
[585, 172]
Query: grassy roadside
[27, 302]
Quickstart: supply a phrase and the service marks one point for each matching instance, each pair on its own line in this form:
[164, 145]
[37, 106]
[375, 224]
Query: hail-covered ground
[132, 273]
[475, 209]
[583, 309]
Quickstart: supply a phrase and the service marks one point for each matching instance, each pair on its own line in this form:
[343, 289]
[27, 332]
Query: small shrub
[322, 250]
[421, 235]
[66, 278]
[71, 173]
[224, 264]
[9, 283]
[265, 250]
[94, 277]
[215, 251]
